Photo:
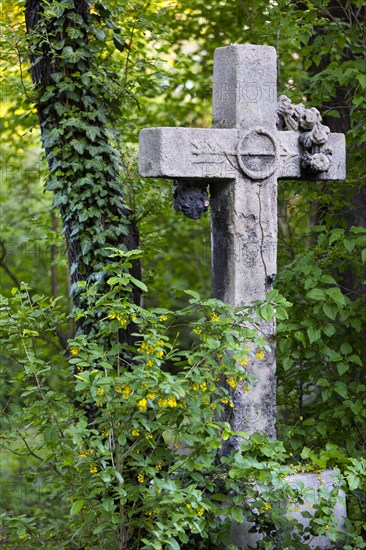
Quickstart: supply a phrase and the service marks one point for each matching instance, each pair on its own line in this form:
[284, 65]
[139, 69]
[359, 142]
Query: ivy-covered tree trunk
[75, 111]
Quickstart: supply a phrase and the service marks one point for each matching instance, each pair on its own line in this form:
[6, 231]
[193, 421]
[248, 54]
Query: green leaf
[356, 359]
[92, 132]
[73, 56]
[108, 504]
[345, 348]
[266, 312]
[333, 113]
[330, 311]
[316, 294]
[237, 515]
[287, 363]
[77, 506]
[353, 481]
[100, 34]
[139, 284]
[362, 80]
[119, 43]
[313, 334]
[342, 368]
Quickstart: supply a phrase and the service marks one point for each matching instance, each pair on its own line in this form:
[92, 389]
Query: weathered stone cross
[242, 157]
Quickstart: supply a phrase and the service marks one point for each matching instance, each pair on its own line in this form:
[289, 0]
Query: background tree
[102, 75]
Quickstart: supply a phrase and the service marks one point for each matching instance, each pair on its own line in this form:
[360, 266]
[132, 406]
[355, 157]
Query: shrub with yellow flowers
[137, 453]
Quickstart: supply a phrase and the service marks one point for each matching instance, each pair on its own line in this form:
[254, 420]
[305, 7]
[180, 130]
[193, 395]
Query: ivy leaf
[100, 34]
[73, 56]
[79, 146]
[92, 132]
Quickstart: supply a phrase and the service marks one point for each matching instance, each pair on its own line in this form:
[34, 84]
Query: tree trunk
[74, 113]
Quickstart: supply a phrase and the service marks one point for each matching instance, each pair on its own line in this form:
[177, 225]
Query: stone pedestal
[245, 540]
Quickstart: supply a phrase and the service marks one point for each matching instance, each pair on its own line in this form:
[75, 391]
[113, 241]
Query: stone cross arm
[226, 153]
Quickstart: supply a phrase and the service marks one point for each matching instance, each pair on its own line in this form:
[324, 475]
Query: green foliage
[145, 469]
[80, 424]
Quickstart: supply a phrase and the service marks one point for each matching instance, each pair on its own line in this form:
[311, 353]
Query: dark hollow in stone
[190, 198]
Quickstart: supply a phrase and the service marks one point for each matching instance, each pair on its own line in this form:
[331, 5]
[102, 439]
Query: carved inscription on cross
[242, 156]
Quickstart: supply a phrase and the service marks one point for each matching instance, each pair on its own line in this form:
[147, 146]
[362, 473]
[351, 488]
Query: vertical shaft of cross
[244, 214]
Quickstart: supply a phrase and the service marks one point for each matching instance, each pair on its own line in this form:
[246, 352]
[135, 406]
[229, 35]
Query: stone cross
[242, 156]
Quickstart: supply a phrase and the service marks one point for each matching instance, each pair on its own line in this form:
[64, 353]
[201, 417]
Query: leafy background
[155, 61]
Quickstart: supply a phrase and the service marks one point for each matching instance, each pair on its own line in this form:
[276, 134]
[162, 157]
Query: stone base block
[245, 540]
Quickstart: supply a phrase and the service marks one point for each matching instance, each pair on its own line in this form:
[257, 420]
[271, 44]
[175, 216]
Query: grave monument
[255, 140]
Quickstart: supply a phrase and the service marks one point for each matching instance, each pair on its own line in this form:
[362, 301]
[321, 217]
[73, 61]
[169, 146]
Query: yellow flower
[150, 395]
[105, 433]
[197, 330]
[142, 404]
[22, 537]
[244, 361]
[122, 321]
[112, 315]
[141, 478]
[326, 527]
[83, 454]
[149, 364]
[99, 403]
[267, 506]
[260, 355]
[231, 382]
[163, 318]
[133, 317]
[213, 406]
[200, 511]
[126, 391]
[195, 386]
[162, 402]
[171, 401]
[246, 388]
[118, 389]
[160, 343]
[224, 401]
[159, 354]
[203, 386]
[188, 505]
[100, 392]
[135, 432]
[93, 469]
[159, 465]
[149, 436]
[74, 351]
[214, 317]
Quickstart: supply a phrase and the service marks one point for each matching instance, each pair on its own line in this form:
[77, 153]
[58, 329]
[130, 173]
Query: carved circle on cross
[257, 154]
